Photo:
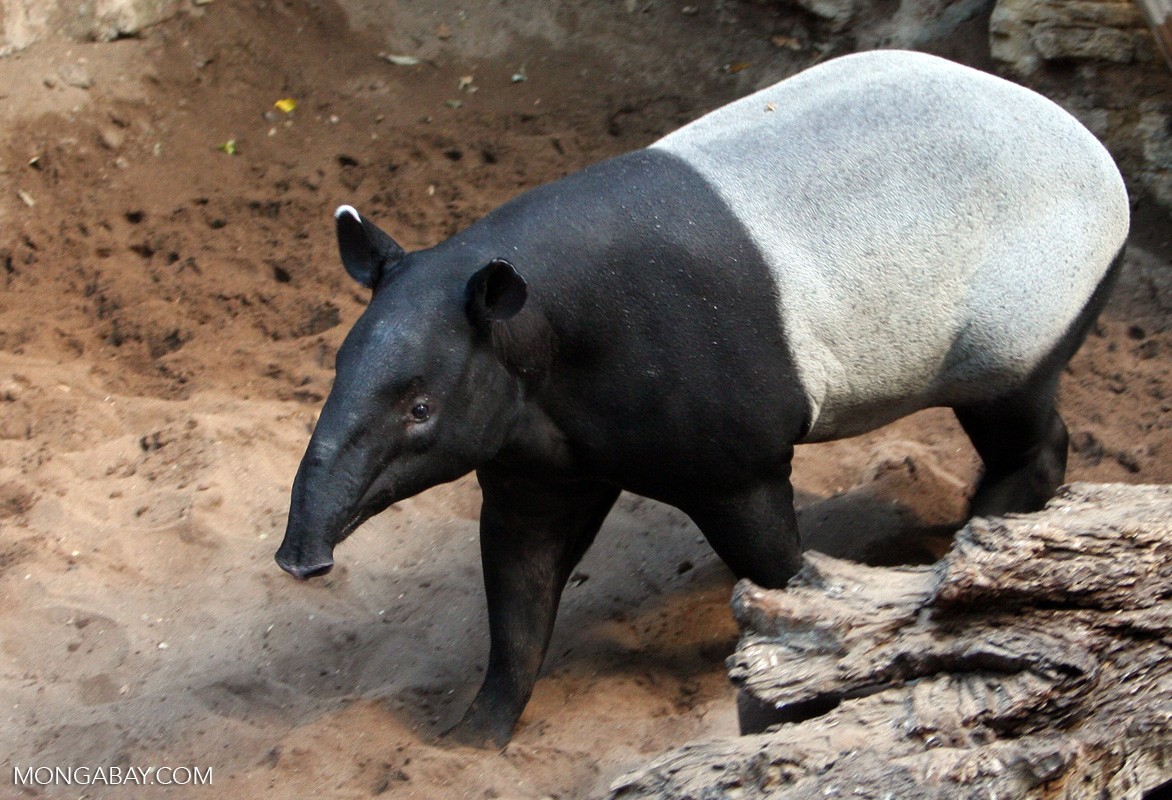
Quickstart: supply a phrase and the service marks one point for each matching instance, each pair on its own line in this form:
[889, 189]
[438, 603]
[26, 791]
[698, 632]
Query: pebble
[75, 75]
[10, 391]
[111, 138]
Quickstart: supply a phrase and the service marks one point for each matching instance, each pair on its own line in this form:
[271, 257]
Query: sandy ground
[168, 321]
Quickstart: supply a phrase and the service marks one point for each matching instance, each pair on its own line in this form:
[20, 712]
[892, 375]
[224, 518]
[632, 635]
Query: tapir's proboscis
[882, 233]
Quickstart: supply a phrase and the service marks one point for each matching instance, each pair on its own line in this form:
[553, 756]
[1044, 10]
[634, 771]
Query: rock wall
[23, 22]
[1026, 33]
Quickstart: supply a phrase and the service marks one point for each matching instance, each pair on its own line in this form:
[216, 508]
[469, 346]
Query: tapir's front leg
[754, 530]
[532, 534]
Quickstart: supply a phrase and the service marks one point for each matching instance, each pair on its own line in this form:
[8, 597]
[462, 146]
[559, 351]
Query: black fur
[614, 330]
[672, 372]
[366, 251]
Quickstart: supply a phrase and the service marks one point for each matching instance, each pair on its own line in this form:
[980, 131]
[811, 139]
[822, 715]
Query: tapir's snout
[304, 562]
[315, 510]
[304, 571]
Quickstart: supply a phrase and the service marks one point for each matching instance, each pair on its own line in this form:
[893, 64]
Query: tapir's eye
[420, 412]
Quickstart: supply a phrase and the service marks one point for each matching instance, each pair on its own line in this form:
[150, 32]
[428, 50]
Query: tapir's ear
[496, 292]
[366, 251]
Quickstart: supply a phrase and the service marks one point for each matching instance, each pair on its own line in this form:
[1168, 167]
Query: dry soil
[169, 315]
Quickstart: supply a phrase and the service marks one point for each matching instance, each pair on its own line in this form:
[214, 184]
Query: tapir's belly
[933, 231]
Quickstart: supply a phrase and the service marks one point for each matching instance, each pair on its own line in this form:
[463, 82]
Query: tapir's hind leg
[532, 534]
[1022, 442]
[1021, 438]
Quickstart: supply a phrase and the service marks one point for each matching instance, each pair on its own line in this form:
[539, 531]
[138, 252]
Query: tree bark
[1033, 661]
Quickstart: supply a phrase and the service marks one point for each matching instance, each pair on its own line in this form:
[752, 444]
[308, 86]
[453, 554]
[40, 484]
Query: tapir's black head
[420, 395]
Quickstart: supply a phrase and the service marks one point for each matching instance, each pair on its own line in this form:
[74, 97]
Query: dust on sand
[168, 323]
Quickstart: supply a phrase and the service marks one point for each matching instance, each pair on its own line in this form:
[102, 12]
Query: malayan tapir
[879, 234]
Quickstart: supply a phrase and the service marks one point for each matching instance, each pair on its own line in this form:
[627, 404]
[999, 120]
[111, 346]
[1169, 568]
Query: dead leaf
[443, 32]
[286, 104]
[786, 42]
[737, 66]
[26, 198]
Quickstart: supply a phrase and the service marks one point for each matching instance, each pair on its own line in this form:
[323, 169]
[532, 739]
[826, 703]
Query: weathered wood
[1158, 14]
[1033, 661]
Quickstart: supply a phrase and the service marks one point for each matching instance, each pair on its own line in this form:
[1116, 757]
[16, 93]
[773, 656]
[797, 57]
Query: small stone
[111, 138]
[75, 75]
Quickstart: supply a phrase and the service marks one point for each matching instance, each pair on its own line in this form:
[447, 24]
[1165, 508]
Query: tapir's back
[933, 230]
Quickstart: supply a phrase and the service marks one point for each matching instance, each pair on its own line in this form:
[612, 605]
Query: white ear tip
[348, 210]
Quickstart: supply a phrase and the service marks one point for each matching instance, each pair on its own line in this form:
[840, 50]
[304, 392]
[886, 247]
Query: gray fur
[933, 230]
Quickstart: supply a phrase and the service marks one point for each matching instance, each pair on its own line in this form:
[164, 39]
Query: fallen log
[1033, 661]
